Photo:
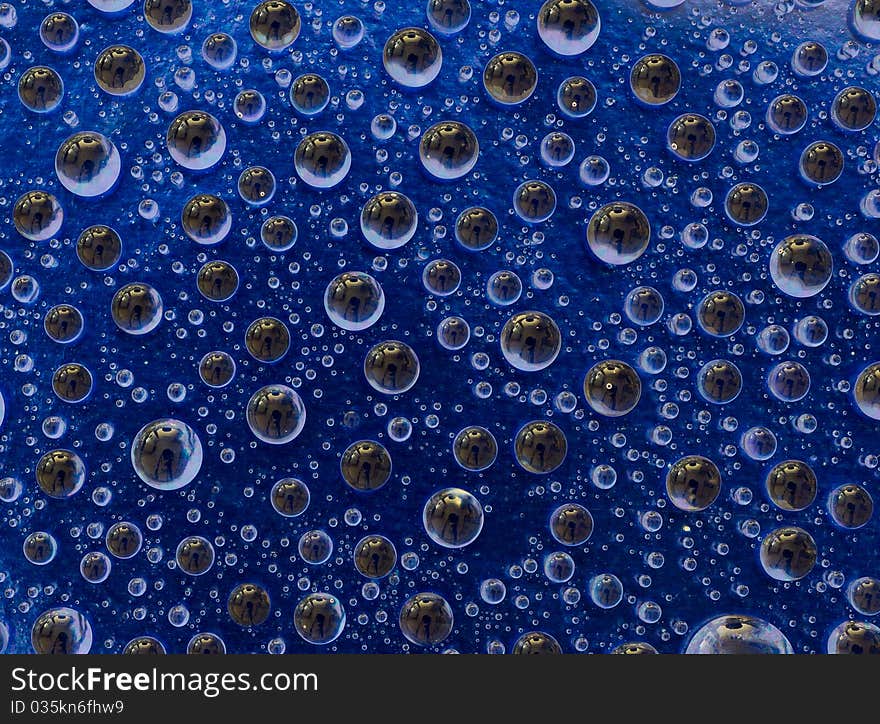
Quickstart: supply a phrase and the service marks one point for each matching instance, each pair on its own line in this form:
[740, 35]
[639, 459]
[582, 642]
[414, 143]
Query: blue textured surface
[583, 299]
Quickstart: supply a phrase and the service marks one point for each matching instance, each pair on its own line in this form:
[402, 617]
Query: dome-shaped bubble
[194, 555]
[119, 70]
[791, 485]
[866, 19]
[719, 381]
[249, 604]
[249, 106]
[655, 79]
[594, 171]
[61, 630]
[267, 339]
[854, 109]
[37, 215]
[441, 277]
[60, 473]
[10, 488]
[87, 164]
[290, 497]
[801, 265]
[99, 248]
[864, 294]
[773, 339]
[383, 126]
[729, 93]
[854, 637]
[449, 150]
[738, 634]
[319, 618]
[475, 448]
[217, 369]
[691, 137]
[315, 547]
[540, 447]
[206, 219]
[576, 97]
[606, 590]
[196, 140]
[168, 16]
[821, 163]
[693, 483]
[759, 443]
[788, 553]
[746, 204]
[309, 94]
[136, 308]
[618, 233]
[811, 331]
[448, 16]
[634, 648]
[571, 524]
[348, 31]
[63, 323]
[59, 32]
[537, 643]
[274, 25]
[322, 160]
[256, 185]
[206, 643]
[166, 454]
[365, 465]
[375, 556]
[866, 391]
[493, 591]
[534, 201]
[40, 89]
[426, 619]
[354, 301]
[476, 228]
[95, 567]
[809, 59]
[862, 248]
[276, 414]
[389, 220]
[144, 646]
[453, 333]
[219, 50]
[786, 114]
[612, 388]
[453, 518]
[40, 548]
[217, 281]
[864, 595]
[721, 313]
[124, 540]
[279, 233]
[789, 381]
[7, 269]
[391, 367]
[851, 506]
[504, 288]
[510, 78]
[568, 27]
[412, 57]
[530, 341]
[72, 382]
[644, 306]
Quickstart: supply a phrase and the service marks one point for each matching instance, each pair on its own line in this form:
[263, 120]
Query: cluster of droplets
[276, 204]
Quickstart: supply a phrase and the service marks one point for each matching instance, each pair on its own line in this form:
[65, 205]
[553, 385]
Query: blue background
[342, 407]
